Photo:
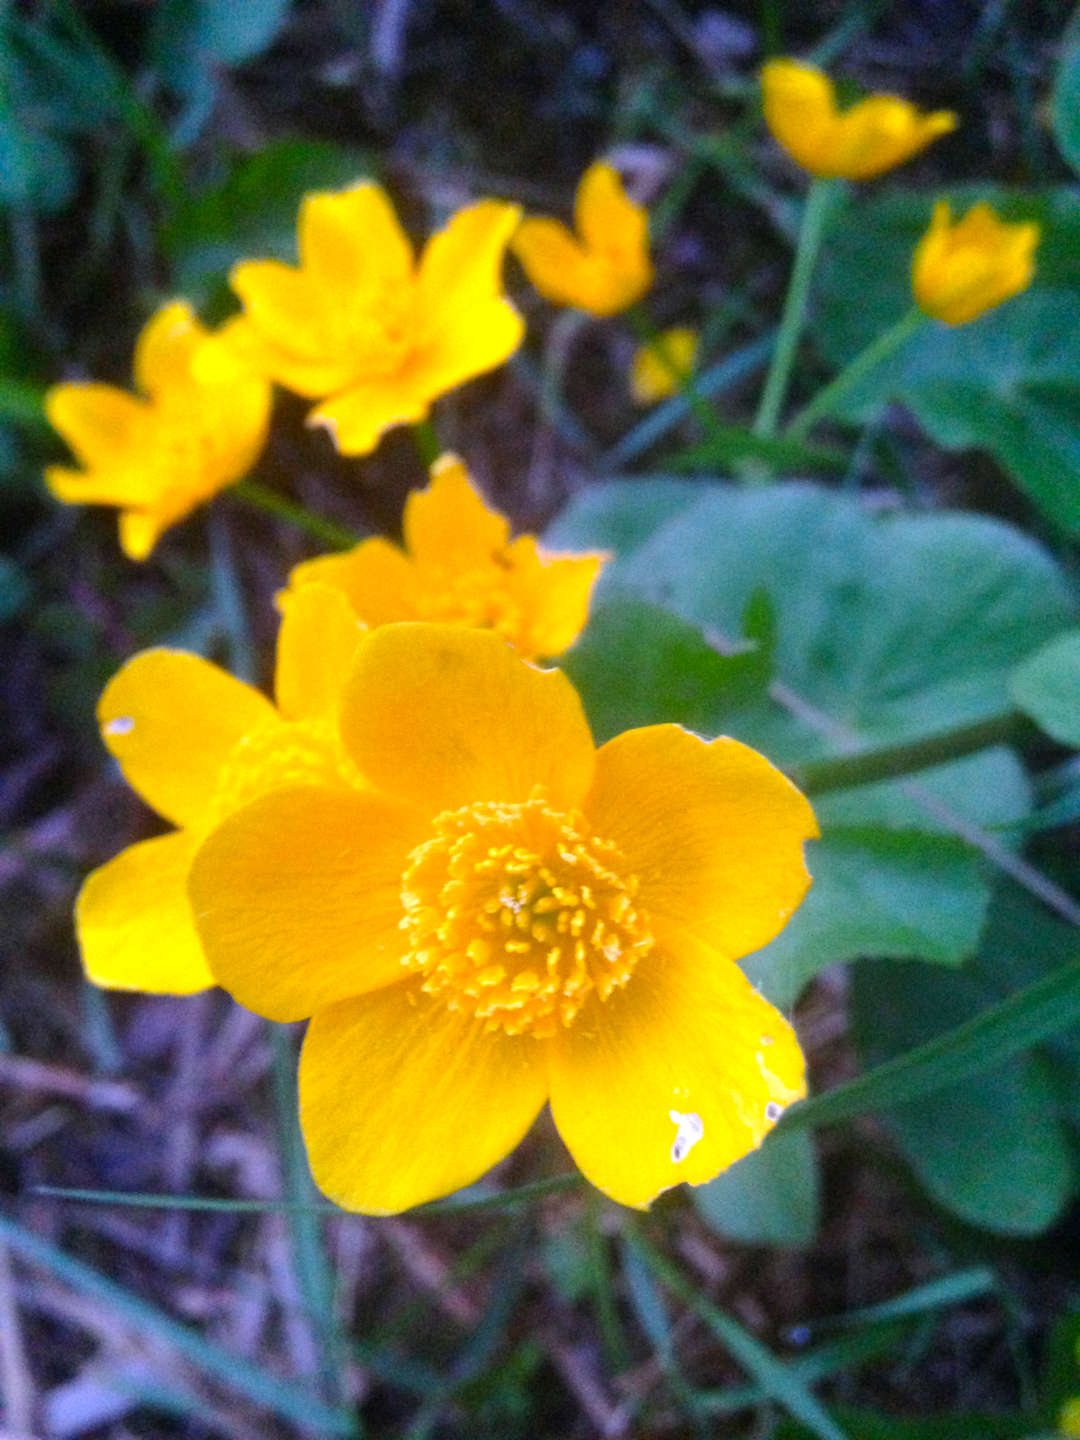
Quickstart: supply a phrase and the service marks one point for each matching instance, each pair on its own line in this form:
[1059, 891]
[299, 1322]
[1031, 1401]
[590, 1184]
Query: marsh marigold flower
[197, 426]
[961, 270]
[605, 267]
[508, 915]
[460, 565]
[197, 744]
[873, 136]
[364, 327]
[662, 366]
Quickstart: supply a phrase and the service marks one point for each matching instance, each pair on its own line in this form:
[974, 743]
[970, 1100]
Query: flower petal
[140, 530]
[554, 261]
[448, 525]
[466, 345]
[607, 220]
[357, 417]
[290, 336]
[800, 111]
[351, 240]
[170, 719]
[167, 346]
[315, 648]
[444, 716]
[297, 898]
[378, 579]
[101, 424]
[712, 830]
[461, 267]
[402, 1100]
[134, 923]
[674, 1077]
[553, 592]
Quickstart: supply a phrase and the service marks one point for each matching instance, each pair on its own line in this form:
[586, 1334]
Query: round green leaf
[1047, 687]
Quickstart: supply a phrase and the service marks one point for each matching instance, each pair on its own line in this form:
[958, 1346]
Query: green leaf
[732, 444]
[770, 1197]
[966, 1426]
[1047, 687]
[639, 665]
[994, 1152]
[895, 893]
[1065, 101]
[1007, 382]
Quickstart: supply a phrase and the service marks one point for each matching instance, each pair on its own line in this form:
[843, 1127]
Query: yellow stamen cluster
[479, 597]
[517, 913]
[304, 752]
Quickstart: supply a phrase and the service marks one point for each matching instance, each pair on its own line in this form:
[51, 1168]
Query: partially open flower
[961, 270]
[197, 426]
[662, 366]
[460, 565]
[509, 915]
[198, 744]
[605, 267]
[874, 135]
[368, 330]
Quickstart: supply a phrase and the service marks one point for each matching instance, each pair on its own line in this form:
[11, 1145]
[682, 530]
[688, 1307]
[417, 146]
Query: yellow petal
[166, 347]
[467, 344]
[101, 424]
[607, 220]
[351, 240]
[713, 832]
[140, 530]
[297, 898]
[552, 594]
[674, 1077]
[315, 649]
[134, 923]
[378, 579]
[444, 717]
[882, 132]
[358, 417]
[554, 261]
[402, 1100]
[448, 524]
[461, 267]
[661, 367]
[170, 719]
[291, 337]
[94, 487]
[800, 111]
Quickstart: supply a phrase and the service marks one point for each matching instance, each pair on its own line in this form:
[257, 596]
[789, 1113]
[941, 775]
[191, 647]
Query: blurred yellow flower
[1069, 1419]
[364, 327]
[198, 425]
[197, 744]
[961, 270]
[661, 367]
[507, 916]
[871, 137]
[459, 565]
[605, 267]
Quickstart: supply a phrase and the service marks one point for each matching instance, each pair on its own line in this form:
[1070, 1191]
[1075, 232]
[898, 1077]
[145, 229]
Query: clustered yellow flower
[460, 565]
[197, 426]
[960, 270]
[874, 135]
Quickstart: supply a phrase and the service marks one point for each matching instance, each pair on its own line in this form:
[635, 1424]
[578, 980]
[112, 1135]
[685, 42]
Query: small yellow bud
[661, 367]
[961, 270]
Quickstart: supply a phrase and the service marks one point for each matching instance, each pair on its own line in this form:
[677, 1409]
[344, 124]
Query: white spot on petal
[121, 725]
[690, 1131]
[773, 1111]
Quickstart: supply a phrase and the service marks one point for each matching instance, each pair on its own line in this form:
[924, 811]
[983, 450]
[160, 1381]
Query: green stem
[893, 761]
[427, 443]
[825, 400]
[815, 213]
[271, 503]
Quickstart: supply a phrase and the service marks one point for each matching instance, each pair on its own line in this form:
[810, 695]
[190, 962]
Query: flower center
[299, 752]
[517, 913]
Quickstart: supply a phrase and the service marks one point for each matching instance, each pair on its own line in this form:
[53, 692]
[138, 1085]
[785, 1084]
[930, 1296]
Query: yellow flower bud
[660, 368]
[961, 270]
[860, 143]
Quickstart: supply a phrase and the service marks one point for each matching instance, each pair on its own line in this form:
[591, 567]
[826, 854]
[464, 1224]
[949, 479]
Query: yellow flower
[660, 367]
[871, 137]
[960, 271]
[1069, 1419]
[197, 744]
[606, 266]
[198, 426]
[507, 916]
[362, 326]
[459, 565]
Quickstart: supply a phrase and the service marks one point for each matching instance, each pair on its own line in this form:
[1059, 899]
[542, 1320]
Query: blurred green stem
[869, 359]
[890, 762]
[815, 211]
[427, 443]
[271, 503]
